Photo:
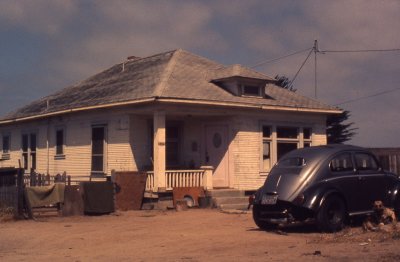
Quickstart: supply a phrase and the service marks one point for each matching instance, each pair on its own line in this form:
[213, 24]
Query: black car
[325, 183]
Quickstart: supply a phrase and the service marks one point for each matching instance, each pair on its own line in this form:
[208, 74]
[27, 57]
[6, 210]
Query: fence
[11, 189]
[36, 179]
[389, 158]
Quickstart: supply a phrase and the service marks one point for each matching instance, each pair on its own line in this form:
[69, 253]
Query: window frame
[59, 155]
[94, 154]
[287, 140]
[307, 141]
[5, 154]
[274, 140]
[350, 158]
[265, 139]
[363, 170]
[246, 94]
[29, 153]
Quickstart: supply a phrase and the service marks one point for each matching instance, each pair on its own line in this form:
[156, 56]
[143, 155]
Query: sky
[46, 45]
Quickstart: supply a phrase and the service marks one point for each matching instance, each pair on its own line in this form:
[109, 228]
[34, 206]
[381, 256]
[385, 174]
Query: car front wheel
[332, 214]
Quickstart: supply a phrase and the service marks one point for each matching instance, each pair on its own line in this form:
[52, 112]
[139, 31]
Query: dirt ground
[193, 235]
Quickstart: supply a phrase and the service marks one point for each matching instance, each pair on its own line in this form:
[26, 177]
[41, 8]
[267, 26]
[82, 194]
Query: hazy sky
[46, 45]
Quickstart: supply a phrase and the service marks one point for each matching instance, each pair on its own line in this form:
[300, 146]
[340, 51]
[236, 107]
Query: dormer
[241, 81]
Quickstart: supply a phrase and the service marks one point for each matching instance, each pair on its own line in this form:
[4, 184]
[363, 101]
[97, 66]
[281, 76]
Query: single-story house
[184, 119]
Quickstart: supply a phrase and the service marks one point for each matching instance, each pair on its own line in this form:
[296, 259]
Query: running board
[359, 213]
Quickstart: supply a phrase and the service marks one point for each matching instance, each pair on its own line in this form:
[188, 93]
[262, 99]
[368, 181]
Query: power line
[304, 62]
[279, 58]
[316, 50]
[369, 96]
[360, 50]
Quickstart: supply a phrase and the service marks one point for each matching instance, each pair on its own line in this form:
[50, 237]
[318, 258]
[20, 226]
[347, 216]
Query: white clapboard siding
[129, 137]
[140, 141]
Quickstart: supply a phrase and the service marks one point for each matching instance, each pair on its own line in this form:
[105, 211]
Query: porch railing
[150, 185]
[178, 178]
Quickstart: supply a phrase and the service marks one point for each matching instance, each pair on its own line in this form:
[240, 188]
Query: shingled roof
[178, 75]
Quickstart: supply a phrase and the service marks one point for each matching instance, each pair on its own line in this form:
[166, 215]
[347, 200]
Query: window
[287, 140]
[287, 132]
[6, 144]
[385, 162]
[29, 151]
[307, 137]
[280, 140]
[98, 145]
[249, 90]
[341, 163]
[266, 148]
[292, 162]
[6, 140]
[32, 138]
[60, 143]
[365, 162]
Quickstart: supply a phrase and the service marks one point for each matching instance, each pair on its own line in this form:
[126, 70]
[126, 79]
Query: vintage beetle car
[325, 183]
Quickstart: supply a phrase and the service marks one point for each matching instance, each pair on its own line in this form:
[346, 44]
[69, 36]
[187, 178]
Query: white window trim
[105, 149]
[274, 140]
[29, 151]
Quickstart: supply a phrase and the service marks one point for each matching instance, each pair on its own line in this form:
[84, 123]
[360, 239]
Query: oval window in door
[217, 140]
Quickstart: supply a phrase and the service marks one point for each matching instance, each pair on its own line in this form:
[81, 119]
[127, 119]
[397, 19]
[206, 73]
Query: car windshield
[292, 162]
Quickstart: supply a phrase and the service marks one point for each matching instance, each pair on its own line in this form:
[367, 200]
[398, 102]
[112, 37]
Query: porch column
[159, 150]
[207, 178]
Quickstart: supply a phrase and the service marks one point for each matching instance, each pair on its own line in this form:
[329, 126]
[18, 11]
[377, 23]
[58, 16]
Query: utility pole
[315, 48]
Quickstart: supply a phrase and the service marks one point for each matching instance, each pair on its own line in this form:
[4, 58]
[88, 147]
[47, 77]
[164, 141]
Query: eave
[175, 101]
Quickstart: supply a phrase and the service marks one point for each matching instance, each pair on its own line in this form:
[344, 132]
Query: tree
[284, 82]
[337, 131]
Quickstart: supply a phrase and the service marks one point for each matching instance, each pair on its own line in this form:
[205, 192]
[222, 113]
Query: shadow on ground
[307, 227]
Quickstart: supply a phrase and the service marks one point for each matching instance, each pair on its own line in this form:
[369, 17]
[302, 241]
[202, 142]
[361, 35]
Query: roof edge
[176, 101]
[244, 105]
[61, 112]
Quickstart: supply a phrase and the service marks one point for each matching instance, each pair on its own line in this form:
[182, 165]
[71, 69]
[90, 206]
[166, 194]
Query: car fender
[318, 197]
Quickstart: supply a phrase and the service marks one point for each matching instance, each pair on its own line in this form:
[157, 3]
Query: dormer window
[251, 90]
[241, 81]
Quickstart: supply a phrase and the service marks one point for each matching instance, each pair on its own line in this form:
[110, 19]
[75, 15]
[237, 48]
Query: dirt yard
[193, 235]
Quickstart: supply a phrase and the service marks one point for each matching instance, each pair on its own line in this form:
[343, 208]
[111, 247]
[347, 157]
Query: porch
[182, 148]
[180, 178]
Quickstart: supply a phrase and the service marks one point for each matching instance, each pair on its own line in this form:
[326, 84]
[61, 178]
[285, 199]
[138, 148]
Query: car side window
[365, 161]
[341, 163]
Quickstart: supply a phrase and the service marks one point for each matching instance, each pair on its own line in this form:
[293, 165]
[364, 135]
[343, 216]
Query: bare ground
[193, 235]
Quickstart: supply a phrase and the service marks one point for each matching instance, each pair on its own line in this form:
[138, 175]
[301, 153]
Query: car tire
[332, 214]
[264, 225]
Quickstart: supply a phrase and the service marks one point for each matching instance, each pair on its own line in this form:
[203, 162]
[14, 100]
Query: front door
[217, 153]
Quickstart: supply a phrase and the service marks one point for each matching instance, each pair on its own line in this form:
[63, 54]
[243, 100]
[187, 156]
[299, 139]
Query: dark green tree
[284, 82]
[337, 130]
